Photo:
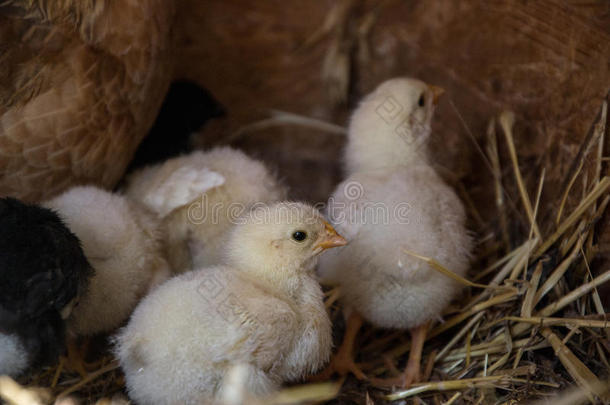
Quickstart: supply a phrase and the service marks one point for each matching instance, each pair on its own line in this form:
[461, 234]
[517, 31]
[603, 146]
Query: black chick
[42, 272]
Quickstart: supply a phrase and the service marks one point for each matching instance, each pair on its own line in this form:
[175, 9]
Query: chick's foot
[412, 370]
[76, 358]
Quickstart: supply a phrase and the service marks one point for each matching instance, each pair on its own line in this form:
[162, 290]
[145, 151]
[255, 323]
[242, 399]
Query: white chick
[14, 358]
[199, 196]
[123, 243]
[392, 202]
[262, 309]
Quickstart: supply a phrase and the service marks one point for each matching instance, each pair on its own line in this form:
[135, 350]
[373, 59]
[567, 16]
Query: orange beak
[436, 93]
[331, 238]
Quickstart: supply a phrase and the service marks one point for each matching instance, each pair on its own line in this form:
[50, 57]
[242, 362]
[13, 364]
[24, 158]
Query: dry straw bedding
[530, 324]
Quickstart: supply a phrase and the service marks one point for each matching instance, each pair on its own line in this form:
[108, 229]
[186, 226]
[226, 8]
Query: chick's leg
[343, 361]
[76, 354]
[76, 357]
[411, 373]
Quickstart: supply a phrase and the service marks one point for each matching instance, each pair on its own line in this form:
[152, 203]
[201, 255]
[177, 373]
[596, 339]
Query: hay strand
[584, 205]
[443, 270]
[507, 120]
[581, 374]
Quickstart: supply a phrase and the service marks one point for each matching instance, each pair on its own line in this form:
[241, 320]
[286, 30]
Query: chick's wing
[260, 328]
[180, 188]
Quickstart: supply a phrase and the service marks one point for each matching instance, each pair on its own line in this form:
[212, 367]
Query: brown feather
[80, 86]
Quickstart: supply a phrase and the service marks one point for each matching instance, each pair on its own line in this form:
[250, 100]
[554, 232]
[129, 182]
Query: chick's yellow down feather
[123, 243]
[393, 202]
[261, 309]
[199, 196]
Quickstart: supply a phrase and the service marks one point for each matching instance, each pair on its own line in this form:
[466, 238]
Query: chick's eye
[299, 236]
[421, 100]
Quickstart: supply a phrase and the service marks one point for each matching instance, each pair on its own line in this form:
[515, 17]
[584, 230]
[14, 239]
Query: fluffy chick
[199, 196]
[122, 241]
[14, 357]
[393, 201]
[42, 272]
[262, 309]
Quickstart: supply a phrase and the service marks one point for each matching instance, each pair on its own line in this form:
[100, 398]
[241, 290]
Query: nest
[531, 322]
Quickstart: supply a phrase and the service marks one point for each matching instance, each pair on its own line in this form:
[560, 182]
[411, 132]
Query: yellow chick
[262, 309]
[392, 203]
[199, 196]
[123, 243]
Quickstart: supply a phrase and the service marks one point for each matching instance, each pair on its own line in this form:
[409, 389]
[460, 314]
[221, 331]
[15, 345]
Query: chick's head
[391, 125]
[42, 265]
[43, 271]
[280, 241]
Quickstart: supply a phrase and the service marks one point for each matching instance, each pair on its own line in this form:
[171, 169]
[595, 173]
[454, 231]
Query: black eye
[299, 236]
[421, 100]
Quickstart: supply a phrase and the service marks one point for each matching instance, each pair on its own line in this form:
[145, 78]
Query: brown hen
[80, 85]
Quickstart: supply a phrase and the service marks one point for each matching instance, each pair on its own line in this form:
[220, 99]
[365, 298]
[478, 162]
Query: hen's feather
[80, 85]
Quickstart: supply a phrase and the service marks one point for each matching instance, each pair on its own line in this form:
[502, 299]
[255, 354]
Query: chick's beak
[331, 238]
[436, 92]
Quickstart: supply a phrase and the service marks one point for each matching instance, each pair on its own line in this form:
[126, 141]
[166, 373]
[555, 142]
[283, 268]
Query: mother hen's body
[80, 85]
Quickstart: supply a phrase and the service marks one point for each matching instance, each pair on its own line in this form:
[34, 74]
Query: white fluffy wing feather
[180, 188]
